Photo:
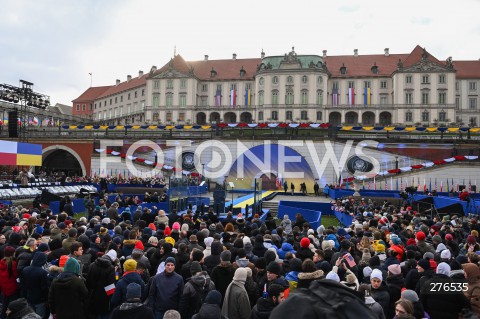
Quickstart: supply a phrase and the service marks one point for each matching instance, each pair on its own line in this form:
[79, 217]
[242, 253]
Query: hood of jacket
[39, 259]
[201, 280]
[210, 311]
[287, 247]
[242, 262]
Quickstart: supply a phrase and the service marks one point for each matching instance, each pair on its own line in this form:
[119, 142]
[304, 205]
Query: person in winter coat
[472, 274]
[379, 290]
[195, 291]
[422, 246]
[418, 310]
[395, 283]
[101, 284]
[68, 293]
[304, 251]
[442, 305]
[8, 278]
[265, 306]
[370, 302]
[133, 308]
[129, 275]
[214, 259]
[286, 248]
[236, 304]
[165, 290]
[222, 275]
[19, 309]
[286, 224]
[211, 307]
[35, 279]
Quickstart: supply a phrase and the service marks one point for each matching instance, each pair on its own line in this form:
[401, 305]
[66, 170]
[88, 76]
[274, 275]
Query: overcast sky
[56, 43]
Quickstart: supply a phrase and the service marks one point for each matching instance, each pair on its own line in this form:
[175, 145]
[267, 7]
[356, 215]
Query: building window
[78, 107]
[233, 86]
[110, 101]
[319, 80]
[135, 95]
[335, 85]
[289, 98]
[472, 86]
[408, 79]
[169, 99]
[143, 92]
[120, 113]
[472, 103]
[442, 98]
[275, 115]
[288, 115]
[424, 98]
[183, 83]
[155, 117]
[442, 116]
[457, 102]
[128, 97]
[442, 79]
[204, 87]
[425, 116]
[169, 116]
[135, 107]
[155, 101]
[260, 98]
[319, 97]
[457, 85]
[304, 79]
[408, 116]
[90, 106]
[261, 81]
[156, 84]
[83, 107]
[383, 100]
[304, 115]
[408, 98]
[304, 97]
[319, 115]
[351, 84]
[169, 84]
[260, 116]
[248, 86]
[366, 84]
[121, 98]
[275, 97]
[219, 87]
[203, 101]
[383, 84]
[129, 108]
[115, 100]
[425, 79]
[105, 103]
[473, 121]
[290, 79]
[275, 80]
[181, 116]
[183, 100]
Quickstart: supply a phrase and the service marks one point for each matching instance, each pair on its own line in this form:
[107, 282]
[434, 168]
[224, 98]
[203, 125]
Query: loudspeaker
[13, 124]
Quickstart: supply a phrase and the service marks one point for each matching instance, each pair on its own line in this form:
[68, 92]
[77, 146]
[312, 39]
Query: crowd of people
[391, 262]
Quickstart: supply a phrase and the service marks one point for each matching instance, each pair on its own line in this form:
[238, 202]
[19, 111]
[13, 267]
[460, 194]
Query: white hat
[445, 254]
[112, 254]
[333, 276]
[443, 269]
[376, 273]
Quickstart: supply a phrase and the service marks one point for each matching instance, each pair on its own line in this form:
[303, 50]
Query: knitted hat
[420, 236]
[139, 245]
[208, 241]
[376, 273]
[428, 255]
[411, 242]
[448, 237]
[17, 305]
[274, 268]
[167, 231]
[305, 242]
[170, 240]
[295, 264]
[134, 291]
[176, 226]
[367, 271]
[437, 239]
[445, 254]
[395, 269]
[333, 276]
[9, 251]
[410, 295]
[471, 239]
[379, 248]
[130, 265]
[225, 255]
[443, 269]
[170, 260]
[62, 225]
[424, 263]
[195, 267]
[72, 265]
[259, 263]
[214, 297]
[62, 260]
[112, 254]
[396, 240]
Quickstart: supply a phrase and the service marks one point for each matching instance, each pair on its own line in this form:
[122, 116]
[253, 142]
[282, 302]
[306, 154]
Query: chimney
[324, 53]
[206, 57]
[387, 53]
[140, 73]
[355, 52]
[262, 55]
[129, 77]
[117, 82]
[234, 56]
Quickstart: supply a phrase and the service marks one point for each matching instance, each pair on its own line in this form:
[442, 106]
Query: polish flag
[110, 289]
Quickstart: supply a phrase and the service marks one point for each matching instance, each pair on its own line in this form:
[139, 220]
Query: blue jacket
[120, 294]
[35, 279]
[286, 247]
[165, 292]
[334, 238]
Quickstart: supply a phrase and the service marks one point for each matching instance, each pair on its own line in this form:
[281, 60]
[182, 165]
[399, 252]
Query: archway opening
[61, 161]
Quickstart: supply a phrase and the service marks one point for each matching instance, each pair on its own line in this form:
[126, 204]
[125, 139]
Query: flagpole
[91, 76]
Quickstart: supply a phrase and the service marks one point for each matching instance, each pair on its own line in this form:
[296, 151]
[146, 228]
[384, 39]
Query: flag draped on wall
[233, 97]
[335, 97]
[367, 96]
[248, 96]
[218, 98]
[351, 96]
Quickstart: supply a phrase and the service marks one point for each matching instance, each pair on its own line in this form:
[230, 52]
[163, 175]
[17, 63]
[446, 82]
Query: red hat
[420, 235]
[152, 227]
[471, 239]
[68, 222]
[9, 251]
[305, 242]
[449, 237]
[167, 231]
[139, 245]
[411, 242]
[26, 216]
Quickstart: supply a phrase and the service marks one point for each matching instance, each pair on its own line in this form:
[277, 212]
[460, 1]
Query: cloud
[421, 20]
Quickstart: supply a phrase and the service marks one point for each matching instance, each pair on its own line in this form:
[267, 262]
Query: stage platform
[241, 202]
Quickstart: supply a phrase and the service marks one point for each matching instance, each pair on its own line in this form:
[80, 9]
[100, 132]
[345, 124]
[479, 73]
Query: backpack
[324, 299]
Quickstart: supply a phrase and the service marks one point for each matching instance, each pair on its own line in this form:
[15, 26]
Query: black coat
[100, 275]
[263, 308]
[209, 311]
[35, 280]
[395, 284]
[132, 310]
[67, 297]
[222, 276]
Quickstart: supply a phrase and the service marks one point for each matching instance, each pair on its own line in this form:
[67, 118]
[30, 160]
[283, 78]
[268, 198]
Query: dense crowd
[392, 262]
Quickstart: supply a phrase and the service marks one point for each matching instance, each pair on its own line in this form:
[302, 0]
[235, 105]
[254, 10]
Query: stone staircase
[272, 205]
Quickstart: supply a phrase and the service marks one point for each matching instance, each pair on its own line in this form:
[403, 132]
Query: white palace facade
[385, 89]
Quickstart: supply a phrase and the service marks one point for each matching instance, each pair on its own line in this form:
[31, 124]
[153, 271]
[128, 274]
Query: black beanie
[274, 268]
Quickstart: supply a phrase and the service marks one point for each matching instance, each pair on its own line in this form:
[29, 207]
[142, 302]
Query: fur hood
[311, 275]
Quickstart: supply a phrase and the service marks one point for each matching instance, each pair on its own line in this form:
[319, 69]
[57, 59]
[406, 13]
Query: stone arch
[201, 118]
[351, 118]
[385, 118]
[246, 117]
[335, 118]
[214, 117]
[230, 117]
[368, 118]
[51, 149]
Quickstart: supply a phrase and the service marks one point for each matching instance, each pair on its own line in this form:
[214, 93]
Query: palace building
[414, 88]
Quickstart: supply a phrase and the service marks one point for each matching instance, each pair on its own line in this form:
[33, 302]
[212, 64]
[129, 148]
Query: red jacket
[8, 284]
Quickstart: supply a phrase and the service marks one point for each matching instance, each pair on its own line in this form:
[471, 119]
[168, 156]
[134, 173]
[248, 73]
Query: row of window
[275, 80]
[442, 116]
[129, 96]
[169, 84]
[169, 117]
[84, 107]
[288, 116]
